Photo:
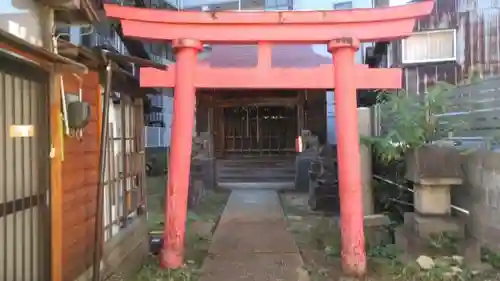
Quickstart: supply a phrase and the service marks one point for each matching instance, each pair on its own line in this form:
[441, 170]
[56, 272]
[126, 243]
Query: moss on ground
[204, 216]
[318, 238]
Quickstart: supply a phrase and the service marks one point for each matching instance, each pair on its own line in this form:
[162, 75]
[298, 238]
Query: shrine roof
[285, 56]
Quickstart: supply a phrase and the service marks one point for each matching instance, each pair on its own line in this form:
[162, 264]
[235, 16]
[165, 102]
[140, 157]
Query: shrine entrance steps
[251, 241]
[256, 172]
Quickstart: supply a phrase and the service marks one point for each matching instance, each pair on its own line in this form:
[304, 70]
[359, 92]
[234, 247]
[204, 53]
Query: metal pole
[123, 142]
[348, 153]
[96, 268]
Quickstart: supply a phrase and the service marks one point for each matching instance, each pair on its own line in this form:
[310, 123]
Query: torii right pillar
[349, 166]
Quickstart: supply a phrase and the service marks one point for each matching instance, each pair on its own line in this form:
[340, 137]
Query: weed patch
[199, 225]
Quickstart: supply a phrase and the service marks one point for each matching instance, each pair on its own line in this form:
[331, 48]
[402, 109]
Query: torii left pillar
[179, 162]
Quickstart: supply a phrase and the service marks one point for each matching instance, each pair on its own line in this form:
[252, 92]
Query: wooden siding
[477, 108]
[478, 44]
[476, 72]
[126, 252]
[80, 175]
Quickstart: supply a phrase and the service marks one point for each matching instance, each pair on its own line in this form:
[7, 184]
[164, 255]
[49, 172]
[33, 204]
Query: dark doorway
[260, 130]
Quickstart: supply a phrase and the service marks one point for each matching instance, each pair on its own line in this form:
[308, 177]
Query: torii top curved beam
[374, 24]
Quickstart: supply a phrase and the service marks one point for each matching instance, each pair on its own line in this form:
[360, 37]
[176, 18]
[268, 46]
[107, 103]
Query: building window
[278, 5]
[380, 3]
[430, 46]
[169, 52]
[342, 5]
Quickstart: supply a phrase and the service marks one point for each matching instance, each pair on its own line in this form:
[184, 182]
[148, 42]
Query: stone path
[251, 242]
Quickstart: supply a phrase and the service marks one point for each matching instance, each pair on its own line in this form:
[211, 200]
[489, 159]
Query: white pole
[159, 137]
[239, 5]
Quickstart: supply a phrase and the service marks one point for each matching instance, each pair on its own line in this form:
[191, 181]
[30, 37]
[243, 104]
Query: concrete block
[365, 129]
[433, 162]
[432, 199]
[376, 229]
[472, 252]
[410, 244]
[209, 173]
[408, 218]
[376, 220]
[400, 238]
[196, 192]
[302, 173]
[426, 226]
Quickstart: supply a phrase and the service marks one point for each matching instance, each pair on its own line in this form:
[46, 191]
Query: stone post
[434, 170]
[303, 160]
[432, 201]
[365, 129]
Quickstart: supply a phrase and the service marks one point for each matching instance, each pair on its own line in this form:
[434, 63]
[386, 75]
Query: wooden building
[104, 212]
[68, 211]
[29, 166]
[458, 41]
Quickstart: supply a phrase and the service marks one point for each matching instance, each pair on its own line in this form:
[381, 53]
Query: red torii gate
[342, 30]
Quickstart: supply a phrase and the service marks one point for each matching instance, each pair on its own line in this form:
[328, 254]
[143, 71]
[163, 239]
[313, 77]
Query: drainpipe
[98, 228]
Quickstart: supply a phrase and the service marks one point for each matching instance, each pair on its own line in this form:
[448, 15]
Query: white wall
[168, 113]
[160, 136]
[21, 18]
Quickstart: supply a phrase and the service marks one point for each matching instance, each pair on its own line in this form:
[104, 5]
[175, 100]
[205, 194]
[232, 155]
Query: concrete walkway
[251, 242]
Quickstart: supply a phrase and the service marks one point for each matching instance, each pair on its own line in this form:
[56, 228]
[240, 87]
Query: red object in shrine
[342, 30]
[299, 145]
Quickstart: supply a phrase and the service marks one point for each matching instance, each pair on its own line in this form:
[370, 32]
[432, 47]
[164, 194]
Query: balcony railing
[154, 114]
[120, 2]
[155, 119]
[156, 4]
[105, 35]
